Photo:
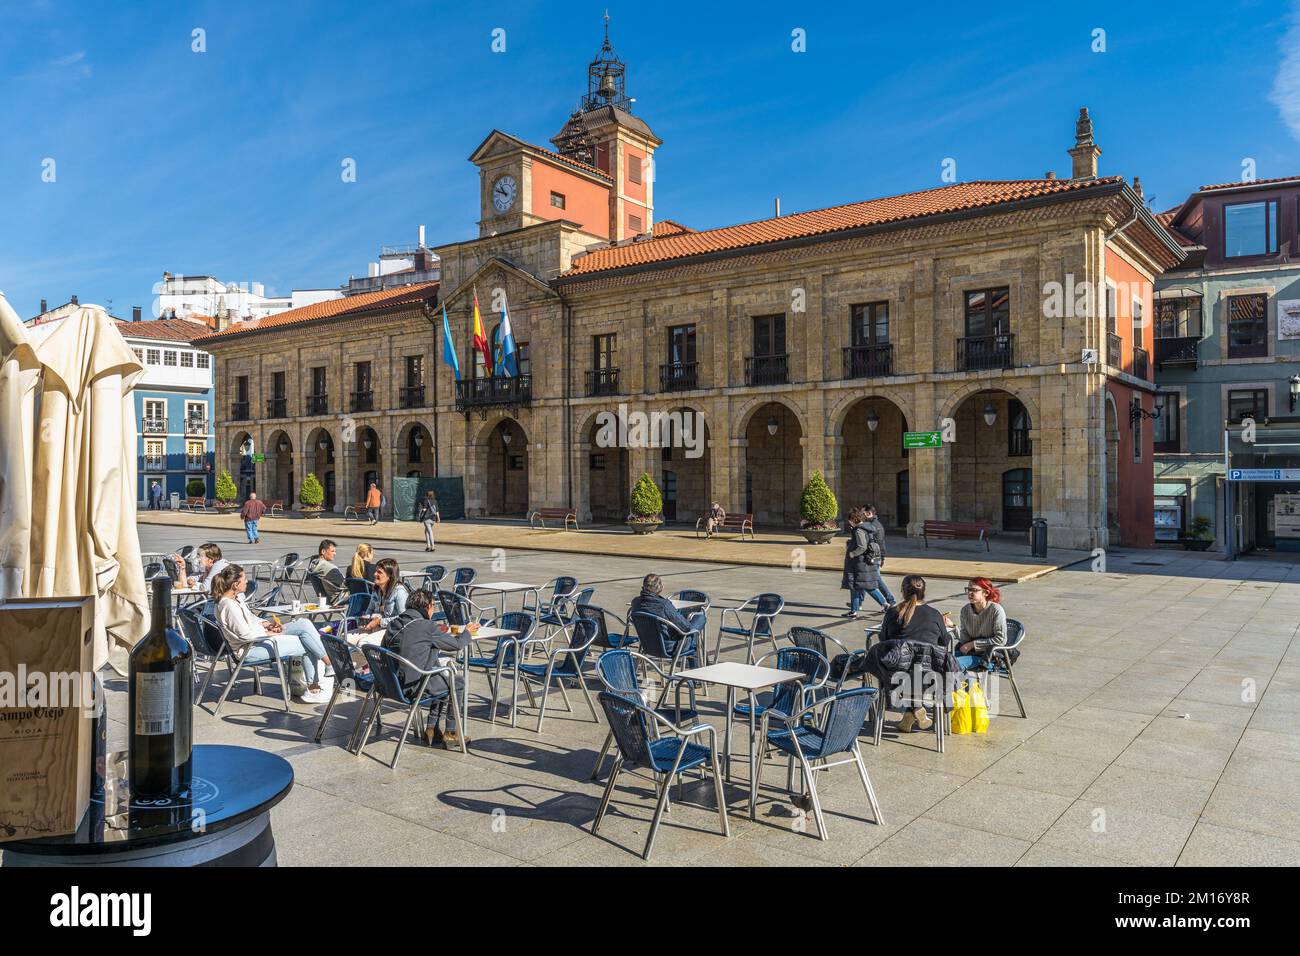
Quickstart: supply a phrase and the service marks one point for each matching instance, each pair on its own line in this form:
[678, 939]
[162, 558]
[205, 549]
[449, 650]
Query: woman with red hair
[983, 622]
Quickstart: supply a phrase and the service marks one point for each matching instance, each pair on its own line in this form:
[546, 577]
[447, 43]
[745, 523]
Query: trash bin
[176, 501]
[1038, 538]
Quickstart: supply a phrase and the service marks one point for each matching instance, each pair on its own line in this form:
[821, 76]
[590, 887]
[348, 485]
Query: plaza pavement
[1163, 696]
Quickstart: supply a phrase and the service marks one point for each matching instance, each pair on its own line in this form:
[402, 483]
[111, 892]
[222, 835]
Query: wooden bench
[193, 503]
[357, 510]
[564, 515]
[275, 507]
[955, 530]
[741, 522]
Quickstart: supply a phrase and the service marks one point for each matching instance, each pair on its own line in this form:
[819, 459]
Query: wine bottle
[161, 690]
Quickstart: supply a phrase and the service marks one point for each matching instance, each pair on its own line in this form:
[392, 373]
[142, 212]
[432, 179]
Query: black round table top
[230, 785]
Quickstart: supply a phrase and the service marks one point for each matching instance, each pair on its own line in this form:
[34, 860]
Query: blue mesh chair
[361, 586]
[754, 620]
[255, 654]
[667, 754]
[281, 566]
[458, 609]
[347, 679]
[432, 575]
[605, 639]
[386, 669]
[462, 579]
[794, 695]
[503, 657]
[843, 662]
[813, 742]
[932, 694]
[270, 599]
[617, 670]
[1000, 660]
[359, 609]
[206, 642]
[662, 639]
[561, 589]
[563, 663]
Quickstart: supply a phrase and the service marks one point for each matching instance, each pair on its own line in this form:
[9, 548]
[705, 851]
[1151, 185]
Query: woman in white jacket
[242, 627]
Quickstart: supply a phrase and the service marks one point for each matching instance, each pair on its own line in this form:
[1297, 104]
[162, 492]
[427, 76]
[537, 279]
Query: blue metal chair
[459, 609]
[432, 575]
[605, 639]
[563, 663]
[1000, 660]
[617, 670]
[462, 579]
[359, 609]
[504, 656]
[843, 662]
[386, 668]
[761, 611]
[561, 589]
[794, 695]
[361, 586]
[206, 642]
[812, 742]
[668, 755]
[347, 679]
[932, 694]
[661, 638]
[269, 599]
[255, 654]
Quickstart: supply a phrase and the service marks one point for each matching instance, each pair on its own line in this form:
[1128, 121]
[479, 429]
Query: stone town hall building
[806, 341]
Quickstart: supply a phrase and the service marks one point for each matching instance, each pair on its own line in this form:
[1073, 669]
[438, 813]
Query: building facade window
[1250, 229]
[1178, 318]
[1137, 435]
[633, 168]
[557, 200]
[1018, 444]
[1247, 403]
[634, 224]
[152, 356]
[1247, 325]
[155, 410]
[139, 355]
[187, 360]
[604, 351]
[414, 371]
[169, 359]
[194, 451]
[869, 324]
[681, 345]
[155, 458]
[204, 360]
[1112, 308]
[1166, 425]
[988, 312]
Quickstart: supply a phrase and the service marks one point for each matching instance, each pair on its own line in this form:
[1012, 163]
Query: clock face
[503, 193]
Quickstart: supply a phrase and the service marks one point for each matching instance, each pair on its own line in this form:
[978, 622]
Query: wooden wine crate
[46, 732]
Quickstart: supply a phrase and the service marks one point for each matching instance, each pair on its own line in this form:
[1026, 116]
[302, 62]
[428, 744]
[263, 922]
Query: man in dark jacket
[336, 587]
[876, 531]
[422, 642]
[652, 601]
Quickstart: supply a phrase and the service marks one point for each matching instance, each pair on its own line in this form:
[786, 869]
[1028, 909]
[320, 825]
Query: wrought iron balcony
[362, 401]
[277, 408]
[767, 369]
[868, 361]
[679, 376]
[318, 404]
[196, 426]
[239, 411]
[602, 381]
[1181, 350]
[1114, 350]
[494, 390]
[155, 463]
[1141, 362]
[153, 426]
[979, 353]
[411, 396]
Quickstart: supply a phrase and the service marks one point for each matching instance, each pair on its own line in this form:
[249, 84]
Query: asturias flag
[480, 338]
[448, 346]
[509, 356]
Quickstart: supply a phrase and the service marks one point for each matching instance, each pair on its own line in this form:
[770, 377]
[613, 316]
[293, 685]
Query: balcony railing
[152, 463]
[277, 408]
[1177, 351]
[978, 353]
[1141, 362]
[411, 396]
[494, 390]
[153, 426]
[602, 381]
[679, 376]
[767, 369]
[239, 411]
[193, 464]
[318, 404]
[362, 401]
[196, 426]
[1114, 350]
[868, 361]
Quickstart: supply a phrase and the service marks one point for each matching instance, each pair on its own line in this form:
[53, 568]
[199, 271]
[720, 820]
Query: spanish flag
[480, 337]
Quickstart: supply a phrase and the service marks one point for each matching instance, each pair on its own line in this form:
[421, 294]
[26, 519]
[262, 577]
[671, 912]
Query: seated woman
[983, 623]
[393, 595]
[913, 620]
[295, 639]
[363, 563]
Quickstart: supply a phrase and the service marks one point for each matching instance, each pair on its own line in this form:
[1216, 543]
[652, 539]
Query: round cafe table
[224, 820]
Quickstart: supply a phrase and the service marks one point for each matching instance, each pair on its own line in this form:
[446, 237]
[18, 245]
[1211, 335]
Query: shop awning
[1174, 489]
[1178, 293]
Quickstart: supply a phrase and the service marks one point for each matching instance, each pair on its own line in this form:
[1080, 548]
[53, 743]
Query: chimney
[778, 207]
[135, 313]
[373, 271]
[421, 236]
[1085, 152]
[74, 300]
[44, 308]
[1049, 175]
[1137, 187]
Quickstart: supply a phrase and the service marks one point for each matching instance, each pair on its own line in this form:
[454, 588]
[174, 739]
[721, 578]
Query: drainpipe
[568, 401]
[1101, 356]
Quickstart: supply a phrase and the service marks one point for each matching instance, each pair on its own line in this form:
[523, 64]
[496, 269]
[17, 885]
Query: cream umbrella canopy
[19, 376]
[84, 538]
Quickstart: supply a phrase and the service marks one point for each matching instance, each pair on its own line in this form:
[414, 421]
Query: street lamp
[873, 420]
[506, 437]
[1295, 390]
[418, 438]
[772, 425]
[284, 444]
[990, 414]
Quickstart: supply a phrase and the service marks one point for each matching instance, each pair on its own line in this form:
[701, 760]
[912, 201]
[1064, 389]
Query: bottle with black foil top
[161, 695]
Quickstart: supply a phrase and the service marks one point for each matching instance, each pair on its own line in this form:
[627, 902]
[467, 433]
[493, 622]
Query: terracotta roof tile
[171, 330]
[1256, 182]
[1167, 218]
[945, 199]
[669, 227]
[365, 302]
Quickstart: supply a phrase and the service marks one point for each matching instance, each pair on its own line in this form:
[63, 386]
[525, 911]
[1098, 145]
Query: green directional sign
[259, 458]
[922, 440]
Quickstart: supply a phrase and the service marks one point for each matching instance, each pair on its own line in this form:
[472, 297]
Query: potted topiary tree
[818, 510]
[197, 488]
[227, 494]
[311, 497]
[647, 506]
[1199, 536]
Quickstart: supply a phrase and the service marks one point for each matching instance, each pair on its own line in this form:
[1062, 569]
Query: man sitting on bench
[714, 519]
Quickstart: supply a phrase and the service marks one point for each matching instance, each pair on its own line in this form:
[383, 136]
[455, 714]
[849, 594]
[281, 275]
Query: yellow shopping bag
[961, 713]
[979, 709]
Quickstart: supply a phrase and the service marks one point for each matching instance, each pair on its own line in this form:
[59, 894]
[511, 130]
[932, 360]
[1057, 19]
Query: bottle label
[155, 697]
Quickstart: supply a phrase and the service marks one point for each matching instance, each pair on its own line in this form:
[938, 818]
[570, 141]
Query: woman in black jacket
[861, 570]
[914, 620]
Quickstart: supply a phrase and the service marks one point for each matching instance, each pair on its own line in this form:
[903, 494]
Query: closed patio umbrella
[19, 377]
[83, 531]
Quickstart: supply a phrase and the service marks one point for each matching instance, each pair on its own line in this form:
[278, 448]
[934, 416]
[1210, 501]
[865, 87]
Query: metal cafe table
[508, 587]
[485, 633]
[736, 676]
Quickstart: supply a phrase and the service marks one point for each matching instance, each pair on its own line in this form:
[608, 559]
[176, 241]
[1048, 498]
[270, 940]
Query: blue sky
[228, 162]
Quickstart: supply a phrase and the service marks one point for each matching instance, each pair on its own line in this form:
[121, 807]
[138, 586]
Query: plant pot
[643, 527]
[1197, 544]
[818, 535]
[226, 509]
[310, 512]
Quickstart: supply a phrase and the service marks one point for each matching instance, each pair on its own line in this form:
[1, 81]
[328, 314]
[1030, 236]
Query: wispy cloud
[1286, 85]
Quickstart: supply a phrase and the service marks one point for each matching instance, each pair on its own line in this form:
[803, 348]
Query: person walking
[877, 531]
[426, 512]
[374, 501]
[861, 576]
[252, 513]
[155, 497]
